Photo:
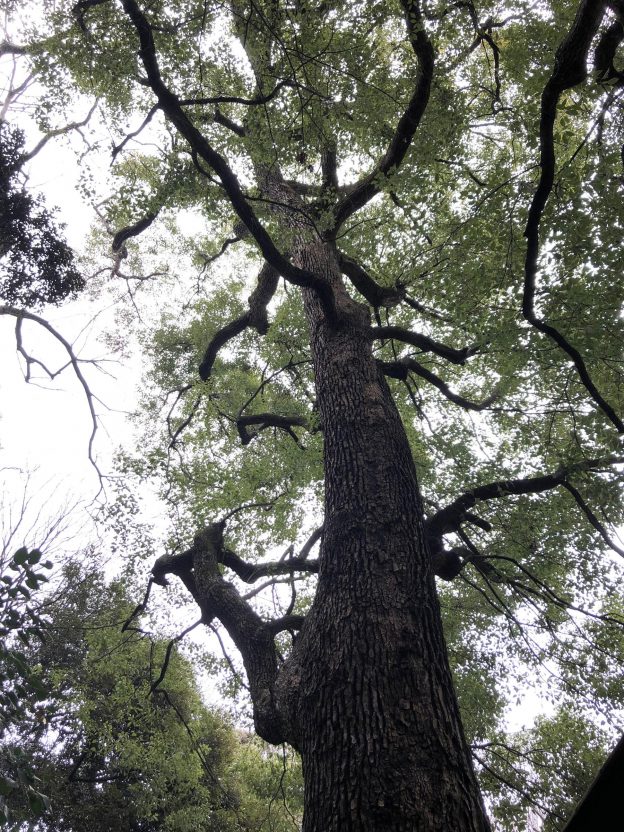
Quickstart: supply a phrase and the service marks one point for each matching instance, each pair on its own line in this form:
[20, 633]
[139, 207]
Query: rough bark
[367, 695]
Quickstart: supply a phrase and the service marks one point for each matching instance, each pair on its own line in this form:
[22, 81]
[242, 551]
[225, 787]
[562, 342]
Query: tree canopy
[404, 263]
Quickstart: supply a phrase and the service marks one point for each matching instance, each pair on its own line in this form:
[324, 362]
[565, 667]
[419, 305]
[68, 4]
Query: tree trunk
[367, 691]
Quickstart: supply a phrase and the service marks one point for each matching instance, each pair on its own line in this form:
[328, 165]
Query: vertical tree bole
[367, 692]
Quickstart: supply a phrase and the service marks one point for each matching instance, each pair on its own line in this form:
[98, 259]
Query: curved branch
[400, 369]
[360, 193]
[74, 361]
[375, 294]
[170, 105]
[255, 642]
[570, 69]
[268, 420]
[59, 131]
[117, 148]
[594, 521]
[132, 231]
[256, 317]
[236, 99]
[424, 343]
[172, 643]
[452, 516]
[198, 568]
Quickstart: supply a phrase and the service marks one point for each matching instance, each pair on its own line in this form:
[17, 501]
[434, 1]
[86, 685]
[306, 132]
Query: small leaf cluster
[21, 683]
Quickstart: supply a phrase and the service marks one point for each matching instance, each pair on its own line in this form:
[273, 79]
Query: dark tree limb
[570, 70]
[208, 259]
[593, 520]
[424, 343]
[119, 147]
[286, 622]
[360, 193]
[453, 515]
[170, 105]
[81, 7]
[219, 339]
[268, 420]
[7, 48]
[21, 315]
[310, 542]
[400, 369]
[224, 121]
[256, 318]
[133, 230]
[375, 294]
[251, 572]
[237, 99]
[217, 598]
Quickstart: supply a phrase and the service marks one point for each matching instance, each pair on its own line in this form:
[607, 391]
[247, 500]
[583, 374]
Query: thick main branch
[172, 108]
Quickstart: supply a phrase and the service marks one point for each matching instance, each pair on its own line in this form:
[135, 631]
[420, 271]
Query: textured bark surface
[367, 694]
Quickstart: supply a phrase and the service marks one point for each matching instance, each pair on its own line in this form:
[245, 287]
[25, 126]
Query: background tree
[454, 174]
[37, 266]
[114, 747]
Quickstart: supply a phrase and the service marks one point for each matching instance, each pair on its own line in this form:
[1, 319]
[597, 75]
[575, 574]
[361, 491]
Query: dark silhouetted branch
[256, 318]
[452, 516]
[593, 520]
[132, 231]
[375, 294]
[570, 69]
[268, 420]
[172, 108]
[400, 369]
[423, 342]
[360, 193]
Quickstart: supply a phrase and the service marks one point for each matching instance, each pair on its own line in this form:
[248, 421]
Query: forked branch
[171, 106]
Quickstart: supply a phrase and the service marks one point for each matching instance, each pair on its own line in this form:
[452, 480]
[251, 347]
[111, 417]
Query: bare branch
[74, 361]
[59, 131]
[119, 147]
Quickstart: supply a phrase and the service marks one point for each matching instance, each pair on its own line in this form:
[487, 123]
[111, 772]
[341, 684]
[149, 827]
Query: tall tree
[455, 171]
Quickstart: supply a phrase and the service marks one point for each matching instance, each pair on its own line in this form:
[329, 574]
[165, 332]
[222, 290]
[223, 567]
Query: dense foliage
[115, 751]
[36, 264]
[22, 686]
